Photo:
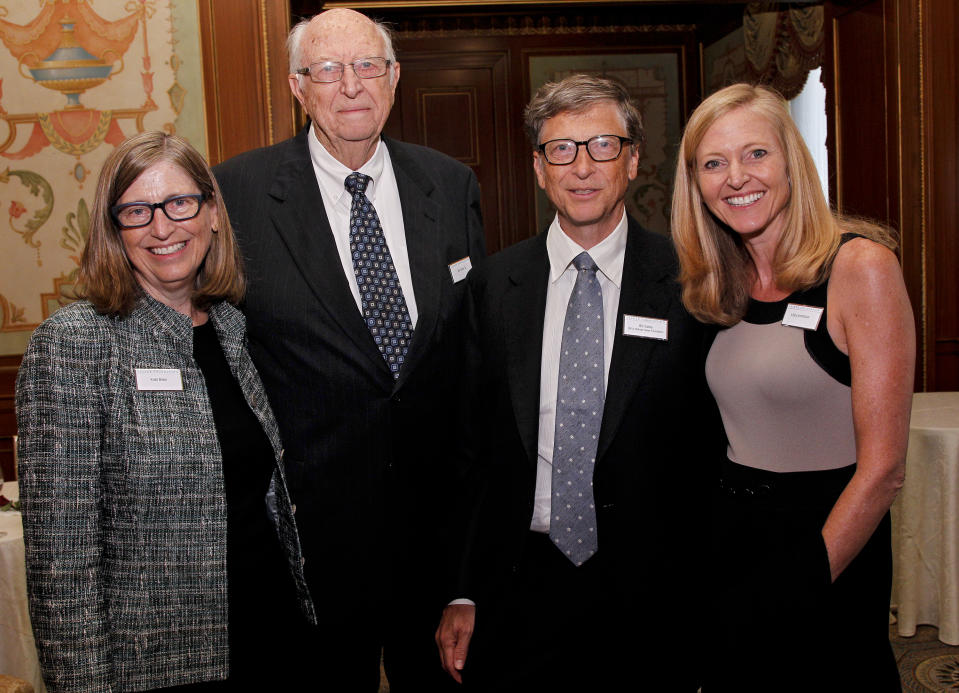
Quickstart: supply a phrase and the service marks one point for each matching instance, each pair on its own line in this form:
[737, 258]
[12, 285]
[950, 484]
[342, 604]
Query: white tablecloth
[18, 655]
[925, 520]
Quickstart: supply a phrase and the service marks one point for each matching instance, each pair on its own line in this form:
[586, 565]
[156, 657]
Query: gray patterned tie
[384, 308]
[579, 414]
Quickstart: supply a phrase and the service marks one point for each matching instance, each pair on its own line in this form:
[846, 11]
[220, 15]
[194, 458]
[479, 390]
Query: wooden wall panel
[894, 149]
[904, 101]
[940, 27]
[245, 66]
[862, 166]
[455, 103]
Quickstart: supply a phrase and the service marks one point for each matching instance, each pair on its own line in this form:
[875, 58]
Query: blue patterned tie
[381, 296]
[580, 395]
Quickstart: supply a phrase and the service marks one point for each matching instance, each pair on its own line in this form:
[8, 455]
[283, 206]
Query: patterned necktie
[579, 414]
[384, 308]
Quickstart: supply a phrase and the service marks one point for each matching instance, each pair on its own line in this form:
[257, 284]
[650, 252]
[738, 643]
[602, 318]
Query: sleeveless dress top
[783, 391]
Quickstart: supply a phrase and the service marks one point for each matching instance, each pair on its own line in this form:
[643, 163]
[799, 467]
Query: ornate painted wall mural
[76, 78]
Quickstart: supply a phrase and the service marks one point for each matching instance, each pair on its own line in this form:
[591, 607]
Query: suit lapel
[424, 249]
[645, 292]
[524, 310]
[301, 221]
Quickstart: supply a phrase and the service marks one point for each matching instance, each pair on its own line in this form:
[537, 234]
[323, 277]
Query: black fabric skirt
[778, 623]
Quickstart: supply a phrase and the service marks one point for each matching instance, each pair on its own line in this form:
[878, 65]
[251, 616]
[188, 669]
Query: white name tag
[460, 268]
[798, 315]
[159, 379]
[649, 328]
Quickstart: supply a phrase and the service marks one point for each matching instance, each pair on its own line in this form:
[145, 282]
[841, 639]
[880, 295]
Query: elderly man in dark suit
[357, 247]
[580, 566]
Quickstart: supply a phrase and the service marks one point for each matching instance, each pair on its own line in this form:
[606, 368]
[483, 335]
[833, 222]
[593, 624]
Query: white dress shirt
[382, 192]
[608, 256]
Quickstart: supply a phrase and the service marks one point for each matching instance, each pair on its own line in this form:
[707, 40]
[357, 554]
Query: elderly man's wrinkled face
[588, 195]
[347, 115]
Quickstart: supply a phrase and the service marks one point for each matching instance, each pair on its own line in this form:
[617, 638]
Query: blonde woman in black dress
[812, 369]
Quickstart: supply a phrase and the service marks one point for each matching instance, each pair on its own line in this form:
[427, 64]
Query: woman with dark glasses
[160, 544]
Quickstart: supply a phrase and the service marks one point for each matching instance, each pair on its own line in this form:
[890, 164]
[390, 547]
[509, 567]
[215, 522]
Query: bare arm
[871, 319]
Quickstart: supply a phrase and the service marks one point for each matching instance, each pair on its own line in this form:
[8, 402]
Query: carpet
[925, 663]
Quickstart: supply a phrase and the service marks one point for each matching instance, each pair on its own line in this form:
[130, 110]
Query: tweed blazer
[124, 511]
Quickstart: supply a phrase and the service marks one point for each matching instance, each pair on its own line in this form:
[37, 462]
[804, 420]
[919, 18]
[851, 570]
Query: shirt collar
[331, 174]
[608, 254]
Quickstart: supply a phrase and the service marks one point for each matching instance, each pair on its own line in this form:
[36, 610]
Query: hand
[453, 637]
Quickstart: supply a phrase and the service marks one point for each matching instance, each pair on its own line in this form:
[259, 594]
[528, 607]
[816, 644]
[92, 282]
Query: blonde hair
[715, 268]
[106, 277]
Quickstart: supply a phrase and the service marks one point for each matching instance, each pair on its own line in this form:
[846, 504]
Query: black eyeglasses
[326, 71]
[133, 215]
[601, 148]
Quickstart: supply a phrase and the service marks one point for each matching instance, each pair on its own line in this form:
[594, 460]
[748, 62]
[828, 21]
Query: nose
[161, 227]
[737, 175]
[583, 164]
[350, 84]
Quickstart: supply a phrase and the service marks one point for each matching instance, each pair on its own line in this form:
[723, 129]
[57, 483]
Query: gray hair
[576, 94]
[295, 38]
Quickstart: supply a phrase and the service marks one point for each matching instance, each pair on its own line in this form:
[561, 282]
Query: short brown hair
[714, 264]
[107, 278]
[578, 93]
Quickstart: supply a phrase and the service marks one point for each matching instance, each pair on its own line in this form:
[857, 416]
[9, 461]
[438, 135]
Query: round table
[926, 520]
[18, 654]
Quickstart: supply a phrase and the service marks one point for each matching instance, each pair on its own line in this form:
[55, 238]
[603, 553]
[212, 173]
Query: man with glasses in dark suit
[357, 247]
[584, 549]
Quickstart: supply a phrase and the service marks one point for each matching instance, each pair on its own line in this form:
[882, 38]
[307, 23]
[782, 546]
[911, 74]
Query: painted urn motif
[71, 68]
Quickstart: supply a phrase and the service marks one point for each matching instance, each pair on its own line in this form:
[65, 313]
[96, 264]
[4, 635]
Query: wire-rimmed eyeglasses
[601, 148]
[326, 71]
[133, 215]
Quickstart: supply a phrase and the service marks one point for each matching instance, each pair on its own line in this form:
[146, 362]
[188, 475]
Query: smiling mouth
[169, 249]
[743, 200]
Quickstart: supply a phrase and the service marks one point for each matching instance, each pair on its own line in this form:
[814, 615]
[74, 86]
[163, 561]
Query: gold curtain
[782, 46]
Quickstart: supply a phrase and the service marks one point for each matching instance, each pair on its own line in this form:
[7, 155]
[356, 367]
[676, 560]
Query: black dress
[779, 622]
[263, 614]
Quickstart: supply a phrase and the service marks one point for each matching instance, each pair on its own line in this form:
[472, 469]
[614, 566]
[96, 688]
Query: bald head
[329, 22]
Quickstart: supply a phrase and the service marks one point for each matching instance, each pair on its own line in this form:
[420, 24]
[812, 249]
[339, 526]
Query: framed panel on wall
[654, 80]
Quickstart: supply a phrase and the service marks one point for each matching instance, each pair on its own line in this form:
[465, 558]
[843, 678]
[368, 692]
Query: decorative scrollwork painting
[76, 78]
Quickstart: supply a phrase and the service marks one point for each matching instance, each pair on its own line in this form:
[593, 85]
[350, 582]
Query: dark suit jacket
[652, 463]
[366, 457]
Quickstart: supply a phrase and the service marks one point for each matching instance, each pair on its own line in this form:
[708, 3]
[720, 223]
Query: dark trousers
[343, 652]
[778, 623]
[554, 631]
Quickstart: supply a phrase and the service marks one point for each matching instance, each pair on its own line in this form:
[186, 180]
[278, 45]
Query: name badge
[799, 315]
[159, 379]
[460, 268]
[648, 328]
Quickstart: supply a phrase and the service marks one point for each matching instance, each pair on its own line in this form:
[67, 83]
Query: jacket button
[293, 508]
